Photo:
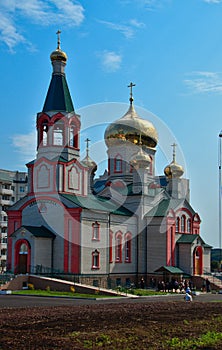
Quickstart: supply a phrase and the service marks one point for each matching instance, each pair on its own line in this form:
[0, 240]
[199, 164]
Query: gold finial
[87, 146]
[58, 39]
[174, 151]
[131, 85]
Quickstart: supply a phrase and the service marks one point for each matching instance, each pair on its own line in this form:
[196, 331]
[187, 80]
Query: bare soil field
[158, 325]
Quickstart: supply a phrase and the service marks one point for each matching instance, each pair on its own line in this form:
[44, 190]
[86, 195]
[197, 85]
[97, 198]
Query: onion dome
[173, 170]
[141, 160]
[58, 54]
[87, 161]
[131, 127]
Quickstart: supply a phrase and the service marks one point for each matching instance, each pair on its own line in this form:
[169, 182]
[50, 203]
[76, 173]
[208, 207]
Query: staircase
[215, 281]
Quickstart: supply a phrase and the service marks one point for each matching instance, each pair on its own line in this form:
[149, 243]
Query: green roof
[162, 208]
[58, 97]
[187, 238]
[170, 269]
[97, 203]
[37, 231]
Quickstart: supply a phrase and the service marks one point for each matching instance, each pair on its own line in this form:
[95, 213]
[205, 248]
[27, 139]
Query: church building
[127, 224]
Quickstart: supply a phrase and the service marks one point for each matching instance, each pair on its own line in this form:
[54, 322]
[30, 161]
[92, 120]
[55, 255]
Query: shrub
[72, 289]
[31, 286]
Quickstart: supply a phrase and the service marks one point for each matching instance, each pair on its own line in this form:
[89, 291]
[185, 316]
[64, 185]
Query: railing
[6, 277]
[6, 191]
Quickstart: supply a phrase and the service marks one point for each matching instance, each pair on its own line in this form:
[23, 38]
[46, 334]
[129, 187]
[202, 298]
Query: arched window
[118, 164]
[23, 249]
[95, 259]
[72, 135]
[58, 133]
[189, 225]
[118, 247]
[96, 231]
[183, 223]
[128, 241]
[177, 224]
[45, 133]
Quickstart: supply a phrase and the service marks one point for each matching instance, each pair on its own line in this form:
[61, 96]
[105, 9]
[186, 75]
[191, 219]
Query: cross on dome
[131, 85]
[174, 145]
[87, 146]
[58, 39]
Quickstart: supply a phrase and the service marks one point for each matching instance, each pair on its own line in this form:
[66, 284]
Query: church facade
[127, 224]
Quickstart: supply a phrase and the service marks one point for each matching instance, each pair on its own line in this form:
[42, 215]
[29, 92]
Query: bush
[72, 289]
[31, 286]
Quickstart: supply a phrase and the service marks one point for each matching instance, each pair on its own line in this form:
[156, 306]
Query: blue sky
[171, 49]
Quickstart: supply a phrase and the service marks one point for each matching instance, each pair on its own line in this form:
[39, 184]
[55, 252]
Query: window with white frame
[177, 224]
[128, 240]
[95, 259]
[183, 223]
[96, 231]
[118, 247]
[189, 226]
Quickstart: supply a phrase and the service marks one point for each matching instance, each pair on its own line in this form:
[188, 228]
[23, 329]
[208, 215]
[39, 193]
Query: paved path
[32, 301]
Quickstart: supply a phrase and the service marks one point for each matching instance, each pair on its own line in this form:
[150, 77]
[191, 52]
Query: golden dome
[173, 170]
[58, 55]
[131, 128]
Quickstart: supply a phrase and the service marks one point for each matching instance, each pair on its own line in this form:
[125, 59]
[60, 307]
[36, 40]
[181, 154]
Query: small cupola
[173, 170]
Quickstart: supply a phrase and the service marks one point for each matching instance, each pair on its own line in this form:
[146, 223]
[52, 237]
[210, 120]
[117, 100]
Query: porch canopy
[171, 272]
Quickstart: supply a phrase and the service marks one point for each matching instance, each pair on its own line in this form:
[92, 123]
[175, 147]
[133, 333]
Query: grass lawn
[49, 293]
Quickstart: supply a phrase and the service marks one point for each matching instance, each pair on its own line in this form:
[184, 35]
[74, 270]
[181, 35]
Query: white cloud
[25, 145]
[44, 13]
[126, 29]
[111, 61]
[204, 82]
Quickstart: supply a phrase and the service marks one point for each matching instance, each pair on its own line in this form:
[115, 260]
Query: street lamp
[219, 164]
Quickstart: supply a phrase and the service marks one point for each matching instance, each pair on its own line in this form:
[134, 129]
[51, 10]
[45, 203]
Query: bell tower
[58, 125]
[58, 167]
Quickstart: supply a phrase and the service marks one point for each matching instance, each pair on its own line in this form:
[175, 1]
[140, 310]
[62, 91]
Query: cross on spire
[87, 146]
[58, 39]
[131, 85]
[174, 145]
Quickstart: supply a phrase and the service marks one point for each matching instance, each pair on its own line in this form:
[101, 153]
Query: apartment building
[13, 186]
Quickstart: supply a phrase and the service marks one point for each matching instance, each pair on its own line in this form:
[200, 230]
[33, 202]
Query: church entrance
[22, 267]
[22, 258]
[198, 261]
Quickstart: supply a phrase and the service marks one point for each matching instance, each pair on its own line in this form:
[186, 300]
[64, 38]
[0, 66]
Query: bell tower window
[72, 136]
[58, 134]
[45, 133]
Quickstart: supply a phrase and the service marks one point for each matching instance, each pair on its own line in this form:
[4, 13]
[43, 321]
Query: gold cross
[58, 39]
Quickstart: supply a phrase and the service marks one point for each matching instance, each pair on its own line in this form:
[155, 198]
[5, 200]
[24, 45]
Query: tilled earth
[109, 326]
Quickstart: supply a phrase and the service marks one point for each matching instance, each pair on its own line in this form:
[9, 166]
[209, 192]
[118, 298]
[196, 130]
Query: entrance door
[23, 259]
[198, 261]
[22, 265]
